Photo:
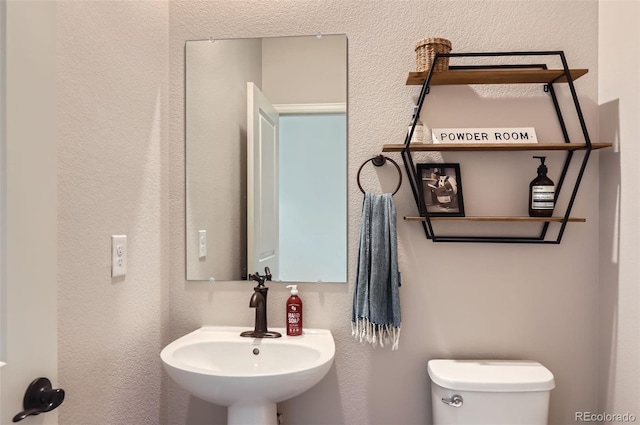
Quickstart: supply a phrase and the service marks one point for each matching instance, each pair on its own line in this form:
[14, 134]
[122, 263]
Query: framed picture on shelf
[440, 189]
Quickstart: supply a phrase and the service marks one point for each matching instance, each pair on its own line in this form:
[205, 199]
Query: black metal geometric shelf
[501, 74]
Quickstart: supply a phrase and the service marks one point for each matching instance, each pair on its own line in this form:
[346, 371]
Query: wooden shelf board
[468, 147]
[493, 219]
[494, 76]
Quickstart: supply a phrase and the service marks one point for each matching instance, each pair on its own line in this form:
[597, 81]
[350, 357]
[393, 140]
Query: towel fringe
[365, 331]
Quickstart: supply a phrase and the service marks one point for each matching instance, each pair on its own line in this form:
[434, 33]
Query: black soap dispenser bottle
[541, 193]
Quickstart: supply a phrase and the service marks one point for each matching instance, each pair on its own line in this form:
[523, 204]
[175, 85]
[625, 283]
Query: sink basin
[249, 375]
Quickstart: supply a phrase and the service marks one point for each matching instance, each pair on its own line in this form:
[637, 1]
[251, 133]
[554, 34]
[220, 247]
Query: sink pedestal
[255, 414]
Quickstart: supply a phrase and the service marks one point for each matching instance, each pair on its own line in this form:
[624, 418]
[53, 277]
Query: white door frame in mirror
[310, 108]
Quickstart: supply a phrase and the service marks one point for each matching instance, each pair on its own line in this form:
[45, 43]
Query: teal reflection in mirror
[266, 158]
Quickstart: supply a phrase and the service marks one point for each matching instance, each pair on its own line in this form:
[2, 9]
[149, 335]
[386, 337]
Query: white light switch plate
[118, 255]
[202, 243]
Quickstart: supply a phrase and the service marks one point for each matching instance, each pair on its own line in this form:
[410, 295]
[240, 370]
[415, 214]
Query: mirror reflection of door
[295, 224]
[262, 183]
[290, 72]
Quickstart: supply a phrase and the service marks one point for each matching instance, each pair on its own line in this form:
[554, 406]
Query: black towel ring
[379, 161]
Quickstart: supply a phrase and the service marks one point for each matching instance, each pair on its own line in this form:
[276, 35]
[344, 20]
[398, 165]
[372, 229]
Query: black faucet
[259, 302]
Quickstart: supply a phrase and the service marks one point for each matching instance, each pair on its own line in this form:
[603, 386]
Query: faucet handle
[267, 273]
[257, 278]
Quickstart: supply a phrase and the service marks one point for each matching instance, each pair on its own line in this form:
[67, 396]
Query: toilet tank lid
[490, 375]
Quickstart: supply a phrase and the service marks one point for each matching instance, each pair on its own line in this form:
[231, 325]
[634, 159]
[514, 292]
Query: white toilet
[489, 392]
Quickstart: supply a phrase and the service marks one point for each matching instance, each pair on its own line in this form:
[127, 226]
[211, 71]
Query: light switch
[118, 255]
[202, 243]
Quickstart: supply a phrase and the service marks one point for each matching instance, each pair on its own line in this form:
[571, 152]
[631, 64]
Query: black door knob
[40, 397]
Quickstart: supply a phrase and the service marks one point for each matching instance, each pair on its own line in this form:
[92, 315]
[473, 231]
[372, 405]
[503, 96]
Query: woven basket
[426, 50]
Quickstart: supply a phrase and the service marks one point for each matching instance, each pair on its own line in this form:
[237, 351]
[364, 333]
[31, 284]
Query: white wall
[458, 300]
[112, 174]
[619, 107]
[305, 69]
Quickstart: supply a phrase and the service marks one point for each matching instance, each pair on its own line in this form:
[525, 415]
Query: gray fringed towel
[375, 317]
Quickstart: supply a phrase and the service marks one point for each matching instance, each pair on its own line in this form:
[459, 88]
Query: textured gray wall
[112, 171]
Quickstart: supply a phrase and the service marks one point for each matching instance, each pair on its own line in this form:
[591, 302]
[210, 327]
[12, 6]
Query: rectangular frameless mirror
[266, 158]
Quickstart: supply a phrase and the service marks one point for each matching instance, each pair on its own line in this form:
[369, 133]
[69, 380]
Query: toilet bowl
[489, 392]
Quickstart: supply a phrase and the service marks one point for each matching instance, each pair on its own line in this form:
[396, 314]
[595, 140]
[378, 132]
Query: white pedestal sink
[249, 375]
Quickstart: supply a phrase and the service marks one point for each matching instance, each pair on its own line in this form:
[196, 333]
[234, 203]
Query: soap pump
[418, 135]
[541, 193]
[294, 312]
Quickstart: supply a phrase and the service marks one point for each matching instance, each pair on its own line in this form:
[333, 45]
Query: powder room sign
[485, 135]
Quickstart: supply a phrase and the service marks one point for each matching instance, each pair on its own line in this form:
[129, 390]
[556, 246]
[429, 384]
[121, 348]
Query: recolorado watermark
[604, 417]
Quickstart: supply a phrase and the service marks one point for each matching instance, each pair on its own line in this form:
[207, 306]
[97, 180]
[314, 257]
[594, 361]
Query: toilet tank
[489, 392]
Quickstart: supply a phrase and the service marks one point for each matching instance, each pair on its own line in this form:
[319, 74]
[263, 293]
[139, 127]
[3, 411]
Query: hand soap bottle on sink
[294, 312]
